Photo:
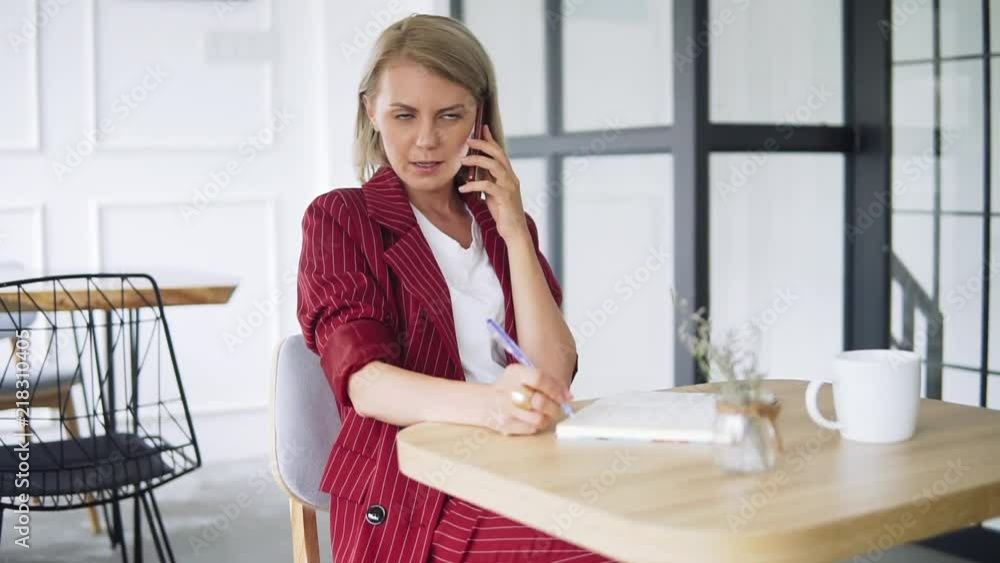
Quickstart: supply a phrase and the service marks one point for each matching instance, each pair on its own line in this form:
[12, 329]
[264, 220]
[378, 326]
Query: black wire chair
[108, 337]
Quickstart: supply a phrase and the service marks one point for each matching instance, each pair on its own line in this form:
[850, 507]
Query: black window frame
[864, 140]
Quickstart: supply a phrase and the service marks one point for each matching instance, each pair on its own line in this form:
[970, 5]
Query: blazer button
[376, 514]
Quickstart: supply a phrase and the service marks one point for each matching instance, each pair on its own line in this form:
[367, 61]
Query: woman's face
[422, 118]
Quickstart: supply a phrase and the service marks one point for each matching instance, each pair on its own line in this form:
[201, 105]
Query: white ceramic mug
[876, 394]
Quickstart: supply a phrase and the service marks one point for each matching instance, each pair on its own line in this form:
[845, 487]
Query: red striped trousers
[469, 534]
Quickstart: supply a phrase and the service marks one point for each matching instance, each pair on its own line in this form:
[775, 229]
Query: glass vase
[746, 434]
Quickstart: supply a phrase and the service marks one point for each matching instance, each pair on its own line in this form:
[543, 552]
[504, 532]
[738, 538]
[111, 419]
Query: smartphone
[477, 133]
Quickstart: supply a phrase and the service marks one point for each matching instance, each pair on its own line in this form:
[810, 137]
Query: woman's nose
[427, 136]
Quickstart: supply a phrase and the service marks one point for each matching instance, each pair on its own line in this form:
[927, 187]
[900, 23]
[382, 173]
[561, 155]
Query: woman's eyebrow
[411, 108]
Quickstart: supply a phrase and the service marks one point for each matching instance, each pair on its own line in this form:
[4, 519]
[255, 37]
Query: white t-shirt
[476, 295]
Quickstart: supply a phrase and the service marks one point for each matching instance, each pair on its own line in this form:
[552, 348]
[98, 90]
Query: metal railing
[915, 299]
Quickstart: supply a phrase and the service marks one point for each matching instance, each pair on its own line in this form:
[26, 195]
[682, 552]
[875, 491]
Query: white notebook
[665, 416]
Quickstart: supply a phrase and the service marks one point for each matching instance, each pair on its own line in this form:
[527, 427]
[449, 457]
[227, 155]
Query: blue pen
[514, 350]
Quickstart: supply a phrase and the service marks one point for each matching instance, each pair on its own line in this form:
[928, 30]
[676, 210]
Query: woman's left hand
[503, 190]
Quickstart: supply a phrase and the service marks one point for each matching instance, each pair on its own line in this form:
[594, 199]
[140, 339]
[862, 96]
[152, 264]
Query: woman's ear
[368, 103]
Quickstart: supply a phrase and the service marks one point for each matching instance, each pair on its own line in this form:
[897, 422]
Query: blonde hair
[443, 46]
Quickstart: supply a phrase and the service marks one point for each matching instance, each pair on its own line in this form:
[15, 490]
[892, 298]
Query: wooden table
[176, 287]
[828, 499]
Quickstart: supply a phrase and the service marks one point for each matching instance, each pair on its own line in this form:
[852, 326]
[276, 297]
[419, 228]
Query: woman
[396, 280]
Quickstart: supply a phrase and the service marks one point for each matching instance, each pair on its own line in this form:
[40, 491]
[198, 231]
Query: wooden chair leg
[305, 542]
[74, 430]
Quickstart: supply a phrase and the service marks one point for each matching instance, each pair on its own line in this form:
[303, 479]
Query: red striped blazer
[370, 289]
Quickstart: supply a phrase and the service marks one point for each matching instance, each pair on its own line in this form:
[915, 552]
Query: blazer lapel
[410, 256]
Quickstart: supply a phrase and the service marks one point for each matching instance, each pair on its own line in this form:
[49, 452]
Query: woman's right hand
[508, 419]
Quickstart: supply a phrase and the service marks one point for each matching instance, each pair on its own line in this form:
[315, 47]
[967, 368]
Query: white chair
[304, 424]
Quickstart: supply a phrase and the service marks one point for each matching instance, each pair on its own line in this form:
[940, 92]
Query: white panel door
[152, 135]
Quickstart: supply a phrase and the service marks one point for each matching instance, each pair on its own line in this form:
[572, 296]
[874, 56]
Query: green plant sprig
[729, 361]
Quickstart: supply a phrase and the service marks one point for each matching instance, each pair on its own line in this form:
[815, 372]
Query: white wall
[153, 191]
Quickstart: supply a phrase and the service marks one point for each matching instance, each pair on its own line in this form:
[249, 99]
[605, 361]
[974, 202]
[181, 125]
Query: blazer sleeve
[344, 314]
[550, 278]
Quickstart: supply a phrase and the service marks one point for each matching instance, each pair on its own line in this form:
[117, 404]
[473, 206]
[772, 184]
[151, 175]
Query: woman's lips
[428, 167]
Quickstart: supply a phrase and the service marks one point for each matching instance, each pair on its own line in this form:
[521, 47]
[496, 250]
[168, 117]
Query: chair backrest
[105, 339]
[304, 422]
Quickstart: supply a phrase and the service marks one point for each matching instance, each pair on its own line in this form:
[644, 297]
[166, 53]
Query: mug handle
[812, 394]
